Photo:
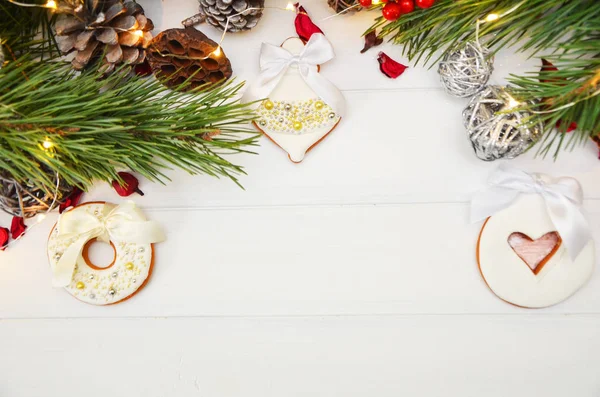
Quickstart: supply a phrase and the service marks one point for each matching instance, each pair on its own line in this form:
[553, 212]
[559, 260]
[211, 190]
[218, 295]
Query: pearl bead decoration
[296, 117]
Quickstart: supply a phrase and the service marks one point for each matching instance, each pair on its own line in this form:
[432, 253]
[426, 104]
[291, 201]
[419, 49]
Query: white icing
[509, 277]
[293, 88]
[99, 282]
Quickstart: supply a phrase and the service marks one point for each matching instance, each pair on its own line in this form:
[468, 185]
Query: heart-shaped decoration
[535, 253]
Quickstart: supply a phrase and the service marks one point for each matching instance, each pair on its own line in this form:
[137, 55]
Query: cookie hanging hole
[99, 255]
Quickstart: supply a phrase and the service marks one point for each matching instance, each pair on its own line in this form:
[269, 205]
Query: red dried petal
[371, 40]
[389, 67]
[546, 69]
[17, 227]
[72, 200]
[129, 186]
[572, 125]
[143, 69]
[4, 236]
[304, 25]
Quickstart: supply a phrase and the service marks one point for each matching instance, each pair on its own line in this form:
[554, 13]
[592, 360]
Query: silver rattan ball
[465, 70]
[26, 199]
[495, 131]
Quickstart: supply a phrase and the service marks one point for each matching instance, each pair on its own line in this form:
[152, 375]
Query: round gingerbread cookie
[523, 260]
[125, 276]
[293, 116]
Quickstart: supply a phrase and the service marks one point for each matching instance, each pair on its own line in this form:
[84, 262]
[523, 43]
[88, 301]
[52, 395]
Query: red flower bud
[572, 126]
[389, 67]
[129, 186]
[17, 227]
[304, 25]
[143, 69]
[72, 200]
[4, 236]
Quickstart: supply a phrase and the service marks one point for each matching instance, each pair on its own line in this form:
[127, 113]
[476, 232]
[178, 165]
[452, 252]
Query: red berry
[424, 3]
[406, 6]
[365, 3]
[391, 11]
[130, 185]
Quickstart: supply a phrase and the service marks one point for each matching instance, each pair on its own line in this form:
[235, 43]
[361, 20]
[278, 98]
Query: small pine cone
[342, 5]
[113, 32]
[217, 12]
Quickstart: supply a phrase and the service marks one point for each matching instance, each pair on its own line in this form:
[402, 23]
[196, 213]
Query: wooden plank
[348, 356]
[414, 258]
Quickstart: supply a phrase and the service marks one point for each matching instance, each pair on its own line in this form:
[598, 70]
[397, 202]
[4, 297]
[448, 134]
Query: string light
[512, 102]
[290, 7]
[47, 144]
[50, 4]
[138, 33]
[492, 17]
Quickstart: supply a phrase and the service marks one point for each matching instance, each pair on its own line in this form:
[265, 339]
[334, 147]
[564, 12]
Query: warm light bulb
[290, 7]
[40, 218]
[138, 33]
[217, 51]
[376, 2]
[492, 17]
[47, 144]
[51, 4]
[512, 102]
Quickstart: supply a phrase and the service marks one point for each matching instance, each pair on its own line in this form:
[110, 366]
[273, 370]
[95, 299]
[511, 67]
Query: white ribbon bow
[124, 223]
[275, 61]
[563, 197]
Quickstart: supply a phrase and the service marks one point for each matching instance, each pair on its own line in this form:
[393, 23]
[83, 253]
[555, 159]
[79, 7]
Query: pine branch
[570, 30]
[87, 129]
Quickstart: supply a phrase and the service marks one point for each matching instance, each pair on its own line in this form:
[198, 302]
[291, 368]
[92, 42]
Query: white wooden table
[351, 274]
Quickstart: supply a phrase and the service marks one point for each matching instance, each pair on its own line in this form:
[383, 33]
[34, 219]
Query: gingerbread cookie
[131, 236]
[302, 107]
[521, 253]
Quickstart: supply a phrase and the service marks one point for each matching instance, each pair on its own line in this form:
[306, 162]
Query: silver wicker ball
[465, 70]
[495, 130]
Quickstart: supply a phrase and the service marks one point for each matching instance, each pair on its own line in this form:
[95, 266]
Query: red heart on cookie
[535, 253]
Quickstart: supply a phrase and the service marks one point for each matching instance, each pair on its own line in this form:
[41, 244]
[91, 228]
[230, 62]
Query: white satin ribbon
[124, 223]
[563, 197]
[275, 61]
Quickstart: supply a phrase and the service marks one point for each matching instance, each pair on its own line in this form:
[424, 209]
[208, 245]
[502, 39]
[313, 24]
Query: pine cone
[341, 5]
[180, 55]
[111, 31]
[217, 11]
